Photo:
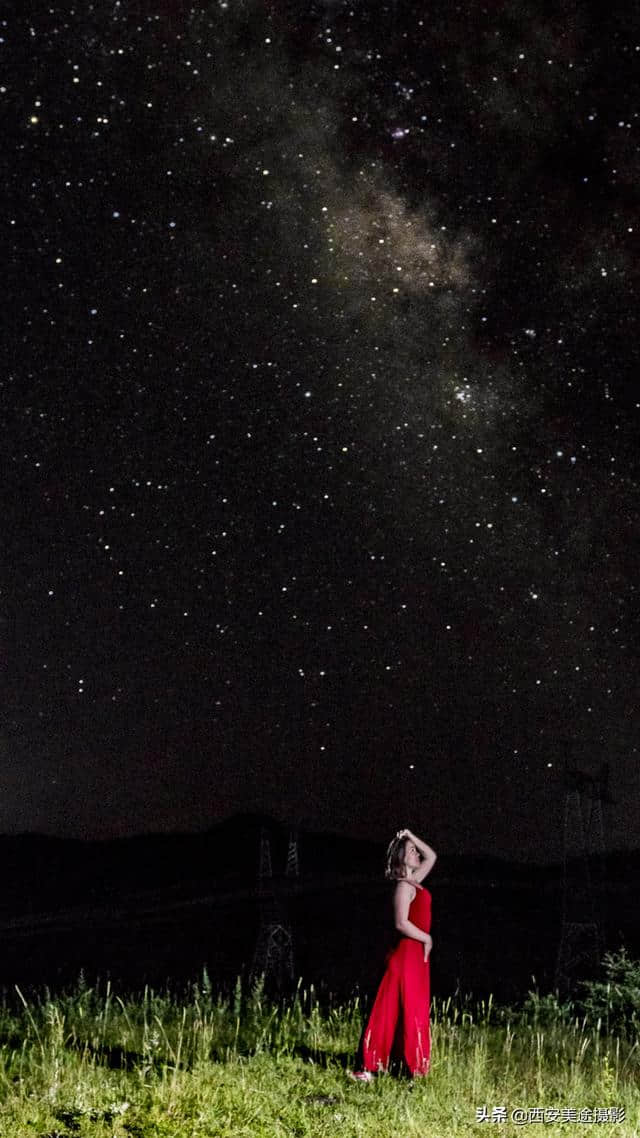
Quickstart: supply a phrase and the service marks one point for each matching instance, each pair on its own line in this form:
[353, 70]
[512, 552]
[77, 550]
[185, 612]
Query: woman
[399, 1017]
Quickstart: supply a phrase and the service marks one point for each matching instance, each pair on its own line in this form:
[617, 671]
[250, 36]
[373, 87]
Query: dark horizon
[140, 909]
[280, 828]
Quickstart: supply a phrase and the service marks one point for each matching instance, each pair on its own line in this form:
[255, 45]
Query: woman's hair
[395, 868]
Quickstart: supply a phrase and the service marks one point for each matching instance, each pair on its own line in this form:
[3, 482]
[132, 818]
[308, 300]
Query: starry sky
[320, 402]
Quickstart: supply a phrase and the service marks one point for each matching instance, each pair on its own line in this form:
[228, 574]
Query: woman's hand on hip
[428, 945]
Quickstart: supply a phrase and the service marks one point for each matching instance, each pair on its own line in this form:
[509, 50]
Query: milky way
[320, 418]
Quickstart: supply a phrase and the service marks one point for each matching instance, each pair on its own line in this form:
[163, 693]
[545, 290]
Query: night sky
[320, 410]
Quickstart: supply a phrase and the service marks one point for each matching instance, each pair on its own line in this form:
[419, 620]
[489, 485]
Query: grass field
[90, 1062]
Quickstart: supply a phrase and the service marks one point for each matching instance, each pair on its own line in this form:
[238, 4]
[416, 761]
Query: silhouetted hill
[158, 906]
[40, 873]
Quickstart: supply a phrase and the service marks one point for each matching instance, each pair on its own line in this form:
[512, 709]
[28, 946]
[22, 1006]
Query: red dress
[400, 1012]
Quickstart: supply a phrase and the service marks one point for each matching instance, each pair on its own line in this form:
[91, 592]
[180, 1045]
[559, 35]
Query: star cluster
[321, 411]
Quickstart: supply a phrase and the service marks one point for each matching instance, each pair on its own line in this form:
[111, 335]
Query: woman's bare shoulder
[412, 884]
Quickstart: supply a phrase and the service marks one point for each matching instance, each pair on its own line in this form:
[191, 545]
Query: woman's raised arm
[429, 856]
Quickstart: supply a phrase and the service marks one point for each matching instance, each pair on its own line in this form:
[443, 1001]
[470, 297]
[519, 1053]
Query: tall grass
[93, 1061]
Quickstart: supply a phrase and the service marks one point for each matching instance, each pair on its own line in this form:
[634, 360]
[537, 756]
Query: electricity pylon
[293, 865]
[583, 917]
[273, 956]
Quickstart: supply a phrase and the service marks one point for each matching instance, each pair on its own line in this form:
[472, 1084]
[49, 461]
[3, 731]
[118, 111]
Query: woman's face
[412, 859]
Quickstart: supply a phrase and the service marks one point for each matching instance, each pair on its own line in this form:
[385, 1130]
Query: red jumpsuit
[400, 1012]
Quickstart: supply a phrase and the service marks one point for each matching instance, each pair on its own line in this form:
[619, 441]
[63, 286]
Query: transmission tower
[273, 956]
[583, 917]
[265, 871]
[293, 865]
